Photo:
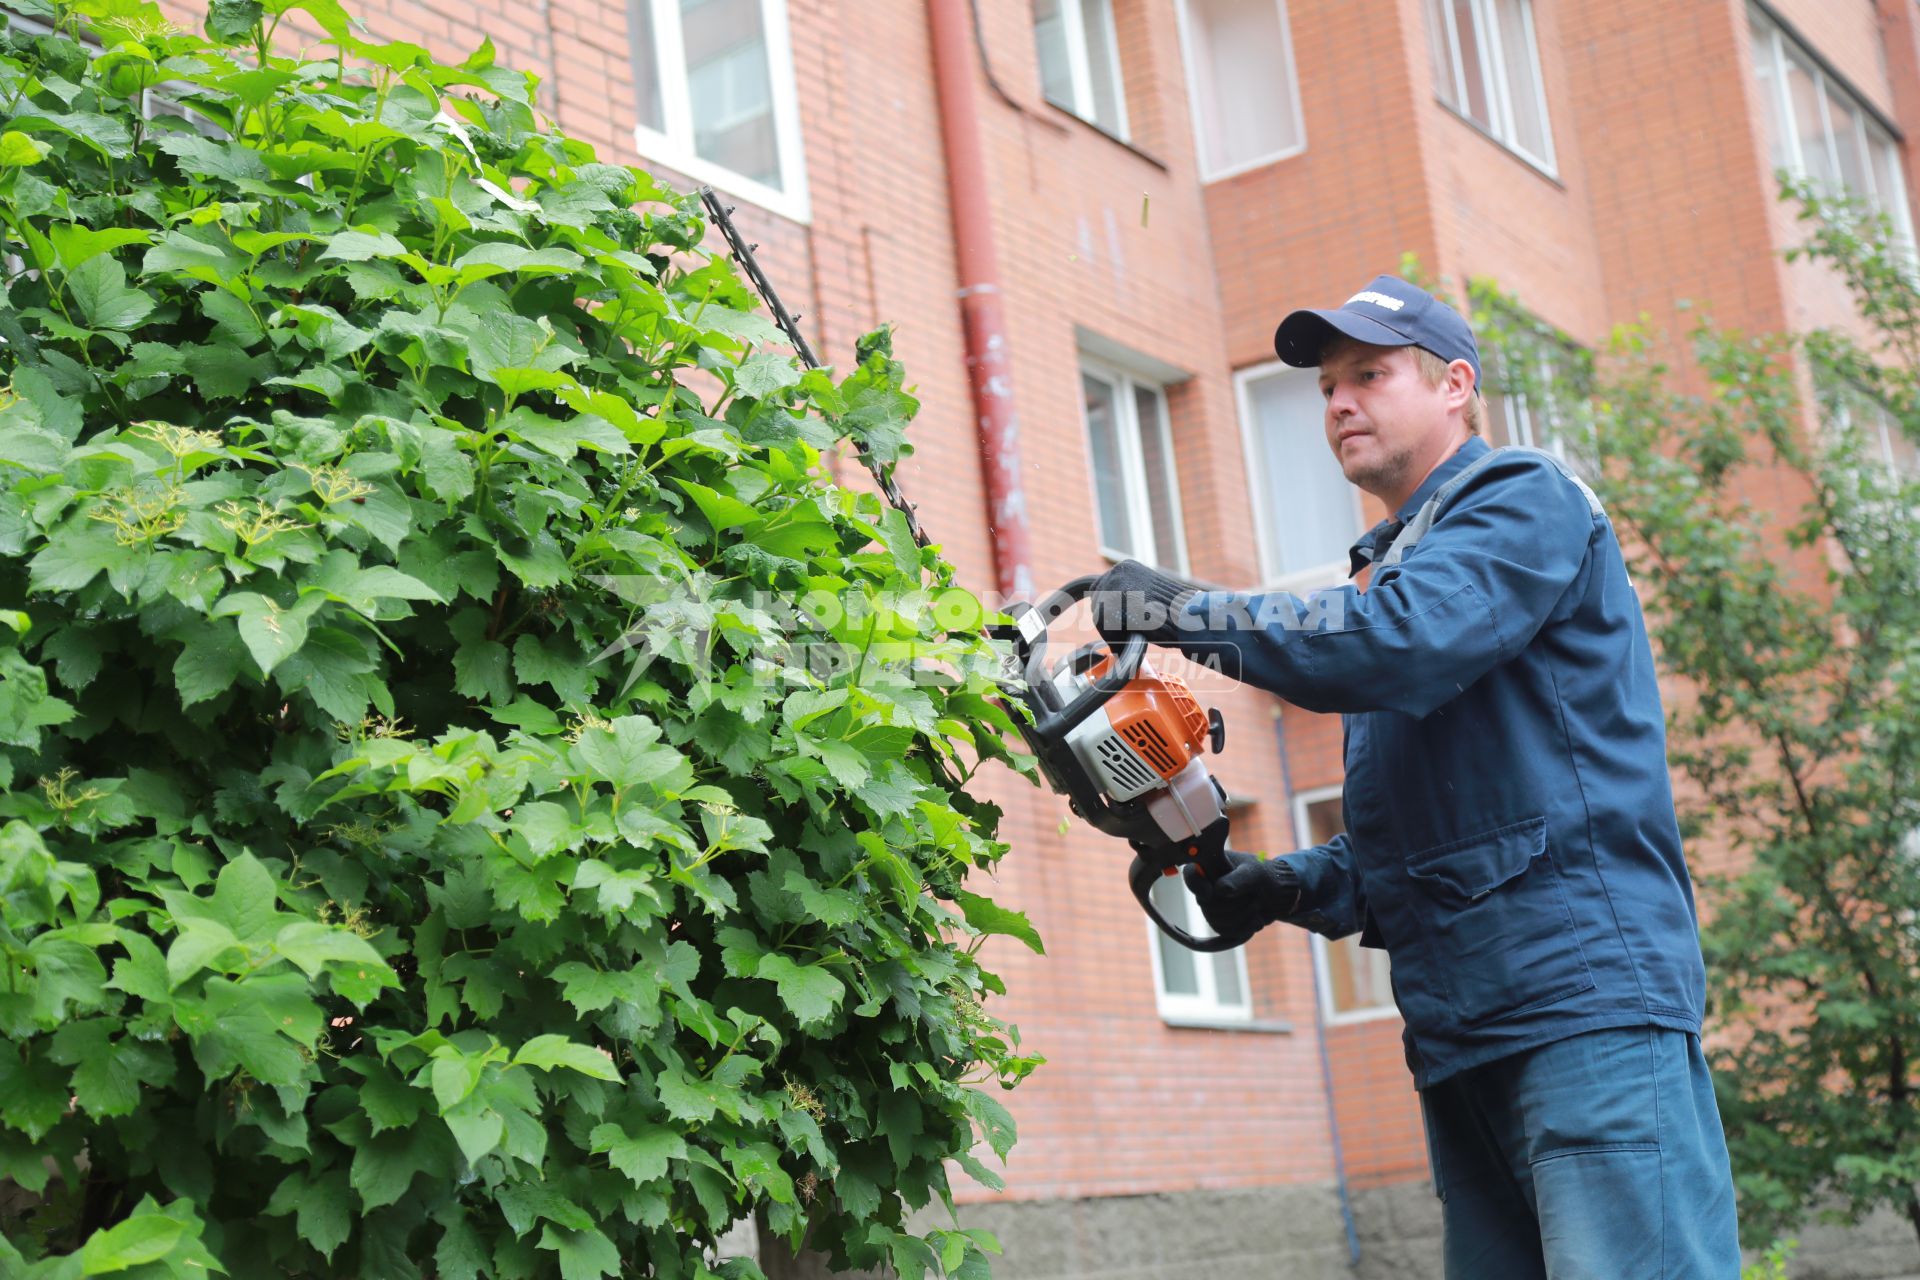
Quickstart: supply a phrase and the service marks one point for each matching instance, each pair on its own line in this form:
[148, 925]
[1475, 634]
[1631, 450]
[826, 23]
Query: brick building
[1164, 179]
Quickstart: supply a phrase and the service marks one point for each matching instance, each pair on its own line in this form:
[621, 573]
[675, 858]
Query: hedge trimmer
[1121, 741]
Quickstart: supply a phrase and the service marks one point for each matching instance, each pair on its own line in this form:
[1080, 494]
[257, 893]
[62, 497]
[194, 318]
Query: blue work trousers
[1596, 1157]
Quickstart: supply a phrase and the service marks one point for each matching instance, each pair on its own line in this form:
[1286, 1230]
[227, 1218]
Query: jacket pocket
[1497, 915]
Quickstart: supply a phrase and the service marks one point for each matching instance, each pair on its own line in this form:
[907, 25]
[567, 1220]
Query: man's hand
[1133, 599]
[1252, 895]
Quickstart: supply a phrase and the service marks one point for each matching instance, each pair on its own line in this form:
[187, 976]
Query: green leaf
[271, 633]
[207, 666]
[201, 157]
[383, 1167]
[546, 827]
[721, 510]
[17, 150]
[584, 1255]
[361, 246]
[493, 259]
[996, 1124]
[314, 946]
[76, 244]
[766, 373]
[809, 991]
[143, 1238]
[198, 945]
[245, 898]
[221, 371]
[628, 752]
[555, 1051]
[99, 286]
[989, 917]
[641, 1156]
[476, 1127]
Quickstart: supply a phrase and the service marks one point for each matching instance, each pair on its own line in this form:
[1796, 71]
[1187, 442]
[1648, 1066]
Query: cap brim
[1302, 335]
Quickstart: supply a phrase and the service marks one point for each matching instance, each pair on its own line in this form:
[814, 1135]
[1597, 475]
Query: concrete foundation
[1293, 1233]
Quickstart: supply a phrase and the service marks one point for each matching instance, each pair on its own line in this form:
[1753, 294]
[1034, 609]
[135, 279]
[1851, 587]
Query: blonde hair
[1434, 370]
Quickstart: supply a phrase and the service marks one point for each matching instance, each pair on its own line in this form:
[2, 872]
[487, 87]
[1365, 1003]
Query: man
[1511, 835]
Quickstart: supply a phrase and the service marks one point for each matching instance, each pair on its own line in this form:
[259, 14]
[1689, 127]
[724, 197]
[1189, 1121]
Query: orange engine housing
[1158, 717]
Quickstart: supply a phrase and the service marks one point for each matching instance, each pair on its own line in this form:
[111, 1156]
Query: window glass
[1109, 476]
[714, 93]
[1212, 985]
[1820, 131]
[1889, 179]
[1474, 87]
[1523, 80]
[1849, 144]
[1080, 60]
[1226, 977]
[1306, 503]
[1766, 68]
[646, 64]
[1103, 66]
[1358, 979]
[1810, 125]
[1242, 83]
[1486, 67]
[730, 87]
[1056, 64]
[1179, 975]
[1441, 49]
[1156, 465]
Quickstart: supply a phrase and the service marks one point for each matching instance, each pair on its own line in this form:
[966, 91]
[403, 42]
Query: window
[1817, 129]
[1135, 486]
[1486, 66]
[715, 87]
[1080, 61]
[1240, 77]
[1535, 383]
[1851, 407]
[1305, 512]
[1356, 984]
[1192, 986]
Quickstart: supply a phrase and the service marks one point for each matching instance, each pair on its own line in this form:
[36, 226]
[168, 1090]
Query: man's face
[1387, 425]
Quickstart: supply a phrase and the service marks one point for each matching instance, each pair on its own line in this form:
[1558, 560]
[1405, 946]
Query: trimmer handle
[1208, 851]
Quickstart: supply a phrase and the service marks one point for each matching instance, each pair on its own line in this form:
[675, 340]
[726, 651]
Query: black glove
[1252, 895]
[1133, 599]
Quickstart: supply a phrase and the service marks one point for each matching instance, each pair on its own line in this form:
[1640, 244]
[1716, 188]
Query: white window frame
[1494, 70]
[1205, 1008]
[1080, 67]
[1133, 465]
[1320, 575]
[1784, 47]
[1194, 70]
[1322, 965]
[672, 146]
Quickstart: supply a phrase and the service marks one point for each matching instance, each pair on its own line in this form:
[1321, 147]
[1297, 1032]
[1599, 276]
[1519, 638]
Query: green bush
[396, 878]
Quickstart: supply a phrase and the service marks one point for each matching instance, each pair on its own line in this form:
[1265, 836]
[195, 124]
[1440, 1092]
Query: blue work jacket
[1511, 838]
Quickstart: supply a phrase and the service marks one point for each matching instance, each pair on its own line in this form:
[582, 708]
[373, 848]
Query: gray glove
[1135, 599]
[1252, 895]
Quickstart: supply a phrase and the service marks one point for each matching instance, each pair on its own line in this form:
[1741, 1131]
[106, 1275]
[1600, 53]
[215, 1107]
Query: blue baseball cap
[1387, 313]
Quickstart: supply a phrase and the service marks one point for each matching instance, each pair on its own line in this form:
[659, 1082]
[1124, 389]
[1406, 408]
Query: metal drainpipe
[989, 369]
[1320, 1013]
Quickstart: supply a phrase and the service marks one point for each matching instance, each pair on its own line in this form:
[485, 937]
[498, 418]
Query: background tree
[1795, 634]
[427, 847]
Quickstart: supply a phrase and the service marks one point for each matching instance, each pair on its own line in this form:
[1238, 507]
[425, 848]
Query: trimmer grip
[1205, 850]
[1212, 861]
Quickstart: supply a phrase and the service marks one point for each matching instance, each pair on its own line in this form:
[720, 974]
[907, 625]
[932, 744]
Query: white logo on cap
[1377, 299]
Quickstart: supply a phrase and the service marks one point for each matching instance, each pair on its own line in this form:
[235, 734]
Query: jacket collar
[1374, 542]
